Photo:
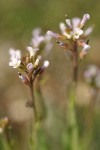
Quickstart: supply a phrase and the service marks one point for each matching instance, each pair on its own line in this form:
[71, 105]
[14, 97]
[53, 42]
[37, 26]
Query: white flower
[15, 58]
[15, 53]
[32, 51]
[37, 38]
[76, 33]
[75, 22]
[15, 63]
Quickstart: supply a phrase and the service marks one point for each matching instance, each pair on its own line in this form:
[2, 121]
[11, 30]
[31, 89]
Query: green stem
[73, 128]
[72, 120]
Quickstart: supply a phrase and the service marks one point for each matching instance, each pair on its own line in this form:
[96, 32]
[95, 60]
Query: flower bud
[36, 63]
[53, 34]
[84, 20]
[45, 65]
[68, 22]
[27, 60]
[85, 47]
[84, 51]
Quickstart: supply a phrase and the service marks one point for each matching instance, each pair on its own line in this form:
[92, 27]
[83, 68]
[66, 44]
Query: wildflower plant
[73, 38]
[29, 69]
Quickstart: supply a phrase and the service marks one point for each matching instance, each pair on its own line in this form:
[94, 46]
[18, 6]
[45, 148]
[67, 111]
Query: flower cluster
[92, 76]
[28, 67]
[73, 32]
[3, 123]
[41, 41]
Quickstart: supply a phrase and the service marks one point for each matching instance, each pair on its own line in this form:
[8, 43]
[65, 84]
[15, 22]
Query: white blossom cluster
[29, 67]
[73, 31]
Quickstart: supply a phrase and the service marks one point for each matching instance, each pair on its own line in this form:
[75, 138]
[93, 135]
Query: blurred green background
[17, 20]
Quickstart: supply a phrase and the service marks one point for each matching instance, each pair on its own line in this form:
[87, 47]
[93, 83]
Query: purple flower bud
[30, 66]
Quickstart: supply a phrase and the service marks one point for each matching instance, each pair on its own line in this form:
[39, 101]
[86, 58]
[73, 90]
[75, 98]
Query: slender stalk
[71, 104]
[33, 100]
[75, 62]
